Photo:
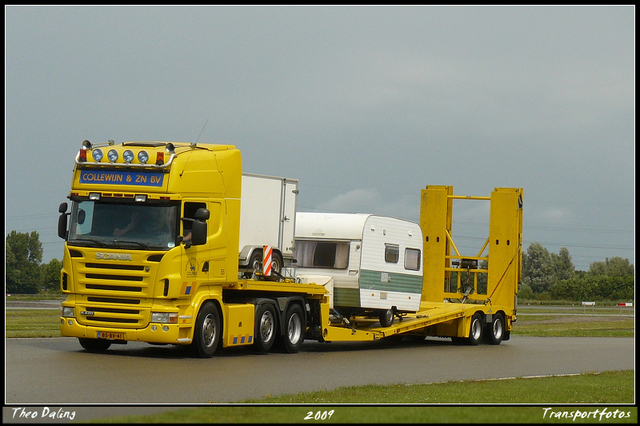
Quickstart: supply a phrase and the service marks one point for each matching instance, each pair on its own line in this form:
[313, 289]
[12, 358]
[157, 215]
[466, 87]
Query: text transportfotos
[577, 414]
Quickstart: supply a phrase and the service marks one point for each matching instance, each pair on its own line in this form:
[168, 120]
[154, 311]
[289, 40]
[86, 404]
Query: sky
[364, 105]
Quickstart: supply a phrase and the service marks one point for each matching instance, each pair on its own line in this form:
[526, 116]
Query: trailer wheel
[206, 336]
[265, 331]
[255, 263]
[496, 330]
[386, 318]
[276, 262]
[294, 328]
[477, 327]
[94, 345]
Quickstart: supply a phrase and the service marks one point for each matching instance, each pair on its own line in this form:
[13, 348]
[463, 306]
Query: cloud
[355, 201]
[552, 216]
[372, 201]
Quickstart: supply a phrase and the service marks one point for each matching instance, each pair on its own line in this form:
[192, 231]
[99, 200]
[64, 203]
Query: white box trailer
[375, 261]
[267, 217]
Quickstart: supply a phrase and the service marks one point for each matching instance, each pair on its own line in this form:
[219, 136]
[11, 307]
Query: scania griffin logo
[113, 256]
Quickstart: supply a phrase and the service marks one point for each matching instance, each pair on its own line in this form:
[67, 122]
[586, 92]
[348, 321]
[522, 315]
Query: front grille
[113, 310]
[115, 266]
[112, 287]
[115, 320]
[113, 300]
[113, 277]
[117, 294]
[93, 313]
[110, 277]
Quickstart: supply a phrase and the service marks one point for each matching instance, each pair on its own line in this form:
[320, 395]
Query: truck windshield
[119, 225]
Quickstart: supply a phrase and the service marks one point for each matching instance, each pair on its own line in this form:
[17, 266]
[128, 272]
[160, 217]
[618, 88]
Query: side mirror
[62, 221]
[199, 227]
[202, 214]
[82, 215]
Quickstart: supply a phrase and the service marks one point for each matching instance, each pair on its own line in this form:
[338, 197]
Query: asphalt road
[59, 371]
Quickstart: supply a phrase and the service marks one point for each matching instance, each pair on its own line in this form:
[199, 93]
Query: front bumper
[153, 333]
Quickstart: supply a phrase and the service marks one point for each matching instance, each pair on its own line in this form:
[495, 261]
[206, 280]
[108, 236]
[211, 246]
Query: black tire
[294, 328]
[495, 330]
[206, 337]
[276, 263]
[476, 330]
[386, 318]
[265, 328]
[94, 345]
[255, 262]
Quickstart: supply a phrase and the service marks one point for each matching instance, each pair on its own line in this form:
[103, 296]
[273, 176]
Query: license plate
[110, 335]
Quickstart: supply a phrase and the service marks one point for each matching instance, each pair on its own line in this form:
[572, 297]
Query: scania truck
[151, 250]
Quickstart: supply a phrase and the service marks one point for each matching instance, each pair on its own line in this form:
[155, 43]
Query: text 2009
[320, 415]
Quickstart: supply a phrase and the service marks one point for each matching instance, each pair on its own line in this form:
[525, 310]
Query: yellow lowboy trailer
[483, 305]
[151, 255]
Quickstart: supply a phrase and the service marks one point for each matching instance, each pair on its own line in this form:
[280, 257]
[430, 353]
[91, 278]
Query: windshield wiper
[87, 240]
[137, 243]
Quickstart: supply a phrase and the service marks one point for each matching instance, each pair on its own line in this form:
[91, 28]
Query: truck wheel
[495, 331]
[94, 345]
[386, 318]
[265, 331]
[208, 330]
[475, 332]
[294, 328]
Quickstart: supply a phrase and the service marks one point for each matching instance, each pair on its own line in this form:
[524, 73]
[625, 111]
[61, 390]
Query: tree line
[545, 275]
[551, 276]
[25, 272]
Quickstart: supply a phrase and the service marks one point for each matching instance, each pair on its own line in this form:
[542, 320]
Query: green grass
[379, 415]
[605, 388]
[609, 388]
[32, 322]
[573, 326]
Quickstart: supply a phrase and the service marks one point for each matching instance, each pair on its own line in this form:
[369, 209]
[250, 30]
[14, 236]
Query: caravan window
[322, 254]
[412, 259]
[391, 253]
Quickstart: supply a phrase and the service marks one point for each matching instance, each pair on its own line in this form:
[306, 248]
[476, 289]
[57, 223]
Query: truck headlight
[143, 157]
[67, 311]
[112, 155]
[128, 156]
[164, 317]
[97, 154]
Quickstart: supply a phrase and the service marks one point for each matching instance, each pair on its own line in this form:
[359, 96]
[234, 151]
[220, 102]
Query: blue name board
[121, 178]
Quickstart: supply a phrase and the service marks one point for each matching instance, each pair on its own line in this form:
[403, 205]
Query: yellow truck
[151, 254]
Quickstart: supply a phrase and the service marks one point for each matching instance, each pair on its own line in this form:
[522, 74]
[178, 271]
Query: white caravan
[375, 261]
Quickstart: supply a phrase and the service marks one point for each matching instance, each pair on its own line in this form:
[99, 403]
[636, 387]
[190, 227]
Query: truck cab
[148, 223]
